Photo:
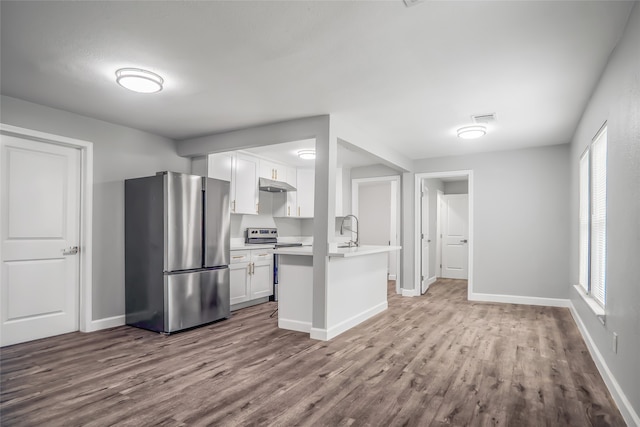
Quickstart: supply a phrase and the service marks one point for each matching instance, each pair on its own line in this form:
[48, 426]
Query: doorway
[45, 203]
[439, 214]
[376, 203]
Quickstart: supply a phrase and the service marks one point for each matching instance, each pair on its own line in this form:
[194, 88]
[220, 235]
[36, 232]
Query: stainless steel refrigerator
[176, 251]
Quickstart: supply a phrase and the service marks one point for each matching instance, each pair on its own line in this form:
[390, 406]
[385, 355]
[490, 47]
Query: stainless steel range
[269, 236]
[266, 236]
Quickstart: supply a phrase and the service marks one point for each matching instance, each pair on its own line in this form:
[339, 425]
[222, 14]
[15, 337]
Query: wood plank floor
[426, 361]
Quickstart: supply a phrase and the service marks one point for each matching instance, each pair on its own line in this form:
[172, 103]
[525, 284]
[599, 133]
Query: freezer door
[195, 298]
[183, 220]
[217, 222]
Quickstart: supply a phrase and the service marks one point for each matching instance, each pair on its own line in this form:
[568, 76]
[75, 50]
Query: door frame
[395, 213]
[439, 196]
[424, 213]
[418, 218]
[85, 321]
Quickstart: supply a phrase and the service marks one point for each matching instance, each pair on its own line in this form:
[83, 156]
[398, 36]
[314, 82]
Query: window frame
[592, 244]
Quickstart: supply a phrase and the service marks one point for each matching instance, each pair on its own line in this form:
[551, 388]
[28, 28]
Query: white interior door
[40, 208]
[425, 239]
[455, 235]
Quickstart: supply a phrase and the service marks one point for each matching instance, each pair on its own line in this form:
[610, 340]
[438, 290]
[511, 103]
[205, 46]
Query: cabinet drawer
[260, 255]
[240, 256]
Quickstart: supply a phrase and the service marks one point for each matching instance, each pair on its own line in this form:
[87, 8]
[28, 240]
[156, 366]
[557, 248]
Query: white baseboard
[319, 334]
[516, 299]
[345, 325]
[106, 323]
[410, 292]
[630, 416]
[294, 325]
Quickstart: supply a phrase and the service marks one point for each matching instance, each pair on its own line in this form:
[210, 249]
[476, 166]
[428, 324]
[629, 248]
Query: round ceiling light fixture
[472, 132]
[138, 80]
[307, 154]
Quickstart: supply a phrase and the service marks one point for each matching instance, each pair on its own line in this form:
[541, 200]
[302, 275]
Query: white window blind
[598, 259]
[583, 277]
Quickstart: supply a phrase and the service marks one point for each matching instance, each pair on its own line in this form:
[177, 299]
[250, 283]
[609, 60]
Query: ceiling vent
[484, 118]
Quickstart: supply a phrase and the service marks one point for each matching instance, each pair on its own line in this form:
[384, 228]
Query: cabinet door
[262, 274]
[292, 199]
[339, 178]
[245, 178]
[267, 169]
[305, 193]
[239, 282]
[220, 166]
[280, 172]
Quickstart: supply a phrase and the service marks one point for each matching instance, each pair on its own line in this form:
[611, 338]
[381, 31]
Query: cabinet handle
[273, 174]
[288, 210]
[276, 174]
[298, 210]
[238, 257]
[253, 268]
[257, 207]
[233, 206]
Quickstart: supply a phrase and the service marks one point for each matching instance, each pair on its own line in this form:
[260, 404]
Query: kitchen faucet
[342, 228]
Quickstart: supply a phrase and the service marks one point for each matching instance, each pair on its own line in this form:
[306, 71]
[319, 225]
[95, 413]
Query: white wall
[374, 201]
[617, 101]
[119, 153]
[456, 187]
[521, 234]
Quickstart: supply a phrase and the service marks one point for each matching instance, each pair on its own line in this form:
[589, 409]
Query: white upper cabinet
[339, 181]
[306, 189]
[245, 175]
[238, 168]
[285, 204]
[272, 170]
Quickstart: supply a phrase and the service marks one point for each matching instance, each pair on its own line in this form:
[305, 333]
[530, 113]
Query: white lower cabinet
[251, 276]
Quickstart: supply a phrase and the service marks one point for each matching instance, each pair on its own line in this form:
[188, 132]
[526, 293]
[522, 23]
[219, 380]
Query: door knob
[463, 241]
[72, 250]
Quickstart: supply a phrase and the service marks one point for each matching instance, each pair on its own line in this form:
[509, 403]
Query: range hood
[273, 186]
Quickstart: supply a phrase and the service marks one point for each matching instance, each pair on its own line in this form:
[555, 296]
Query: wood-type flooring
[432, 360]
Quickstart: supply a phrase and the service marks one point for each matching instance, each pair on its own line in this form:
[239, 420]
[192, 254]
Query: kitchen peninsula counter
[356, 288]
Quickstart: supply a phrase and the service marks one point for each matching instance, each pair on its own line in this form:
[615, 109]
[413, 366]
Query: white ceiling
[408, 76]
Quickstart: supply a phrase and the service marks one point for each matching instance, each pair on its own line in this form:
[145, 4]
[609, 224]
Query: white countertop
[339, 252]
[295, 250]
[245, 247]
[362, 250]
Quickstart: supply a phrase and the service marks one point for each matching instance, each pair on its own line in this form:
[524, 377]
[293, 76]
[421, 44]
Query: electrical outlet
[614, 343]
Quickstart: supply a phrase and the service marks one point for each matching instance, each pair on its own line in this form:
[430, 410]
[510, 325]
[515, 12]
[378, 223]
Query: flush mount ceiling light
[138, 80]
[472, 132]
[307, 154]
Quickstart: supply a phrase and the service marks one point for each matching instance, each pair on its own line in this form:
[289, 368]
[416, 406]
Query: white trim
[591, 302]
[417, 218]
[345, 325]
[439, 195]
[106, 323]
[410, 292]
[319, 334]
[395, 193]
[517, 299]
[430, 281]
[294, 325]
[86, 212]
[392, 277]
[630, 416]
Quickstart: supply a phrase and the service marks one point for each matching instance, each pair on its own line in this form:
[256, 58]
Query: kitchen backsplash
[287, 227]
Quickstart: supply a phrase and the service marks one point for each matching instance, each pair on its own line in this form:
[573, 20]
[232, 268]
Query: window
[593, 218]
